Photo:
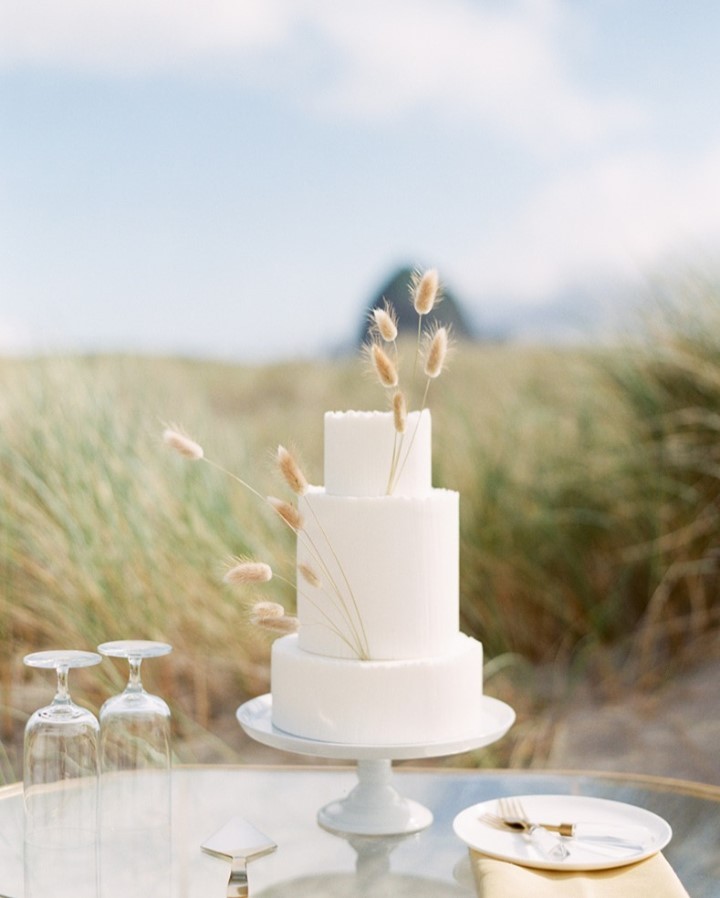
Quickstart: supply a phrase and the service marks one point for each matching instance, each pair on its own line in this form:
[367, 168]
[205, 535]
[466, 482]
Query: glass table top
[282, 802]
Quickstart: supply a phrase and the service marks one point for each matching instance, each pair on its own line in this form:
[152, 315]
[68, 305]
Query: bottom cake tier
[417, 701]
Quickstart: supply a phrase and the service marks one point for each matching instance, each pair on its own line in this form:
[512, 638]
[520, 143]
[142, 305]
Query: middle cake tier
[378, 577]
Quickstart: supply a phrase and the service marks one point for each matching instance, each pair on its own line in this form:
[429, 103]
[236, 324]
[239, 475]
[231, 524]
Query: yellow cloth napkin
[651, 878]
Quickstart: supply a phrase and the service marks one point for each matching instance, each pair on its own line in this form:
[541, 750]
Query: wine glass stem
[62, 697]
[134, 683]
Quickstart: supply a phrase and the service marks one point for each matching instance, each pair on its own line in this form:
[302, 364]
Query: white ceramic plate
[516, 847]
[255, 717]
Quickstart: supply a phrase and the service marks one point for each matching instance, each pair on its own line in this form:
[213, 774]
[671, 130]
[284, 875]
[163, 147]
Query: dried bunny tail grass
[436, 352]
[425, 291]
[384, 367]
[182, 444]
[284, 625]
[271, 616]
[309, 575]
[399, 407]
[385, 323]
[249, 572]
[267, 610]
[287, 512]
[291, 471]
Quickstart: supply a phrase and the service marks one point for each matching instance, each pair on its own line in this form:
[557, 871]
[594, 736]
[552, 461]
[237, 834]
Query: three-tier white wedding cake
[379, 658]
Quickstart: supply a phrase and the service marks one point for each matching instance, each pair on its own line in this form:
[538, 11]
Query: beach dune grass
[590, 509]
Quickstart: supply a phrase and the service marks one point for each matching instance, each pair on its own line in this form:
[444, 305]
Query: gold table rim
[692, 788]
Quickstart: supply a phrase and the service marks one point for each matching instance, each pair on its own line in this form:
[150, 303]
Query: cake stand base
[374, 807]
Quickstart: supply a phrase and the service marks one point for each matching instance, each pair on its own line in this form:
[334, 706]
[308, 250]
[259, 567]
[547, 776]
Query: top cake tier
[359, 450]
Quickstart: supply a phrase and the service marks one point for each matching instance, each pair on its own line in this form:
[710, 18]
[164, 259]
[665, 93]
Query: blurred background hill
[397, 292]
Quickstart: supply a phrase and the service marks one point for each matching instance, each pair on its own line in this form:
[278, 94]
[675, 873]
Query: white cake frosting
[359, 451]
[395, 563]
[423, 700]
[379, 658]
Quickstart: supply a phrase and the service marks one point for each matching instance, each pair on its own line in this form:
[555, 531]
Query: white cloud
[131, 37]
[501, 66]
[624, 216]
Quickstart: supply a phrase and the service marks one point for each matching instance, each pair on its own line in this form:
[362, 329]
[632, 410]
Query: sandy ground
[671, 731]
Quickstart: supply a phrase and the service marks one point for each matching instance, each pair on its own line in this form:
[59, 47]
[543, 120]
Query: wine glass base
[134, 648]
[58, 658]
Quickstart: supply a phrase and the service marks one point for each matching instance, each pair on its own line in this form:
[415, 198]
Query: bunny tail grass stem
[397, 444]
[235, 477]
[425, 295]
[423, 404]
[354, 621]
[290, 515]
[436, 356]
[361, 636]
[400, 467]
[189, 449]
[360, 647]
[331, 625]
[399, 406]
[316, 605]
[417, 347]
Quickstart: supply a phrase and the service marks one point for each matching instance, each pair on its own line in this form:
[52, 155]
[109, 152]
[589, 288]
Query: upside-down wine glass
[135, 788]
[60, 777]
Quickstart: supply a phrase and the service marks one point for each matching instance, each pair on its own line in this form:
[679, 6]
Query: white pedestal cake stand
[373, 807]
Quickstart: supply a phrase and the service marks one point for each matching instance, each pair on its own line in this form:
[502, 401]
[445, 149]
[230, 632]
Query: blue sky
[234, 178]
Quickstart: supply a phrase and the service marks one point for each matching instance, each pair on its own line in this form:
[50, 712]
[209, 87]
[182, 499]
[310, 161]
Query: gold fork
[512, 817]
[513, 813]
[519, 826]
